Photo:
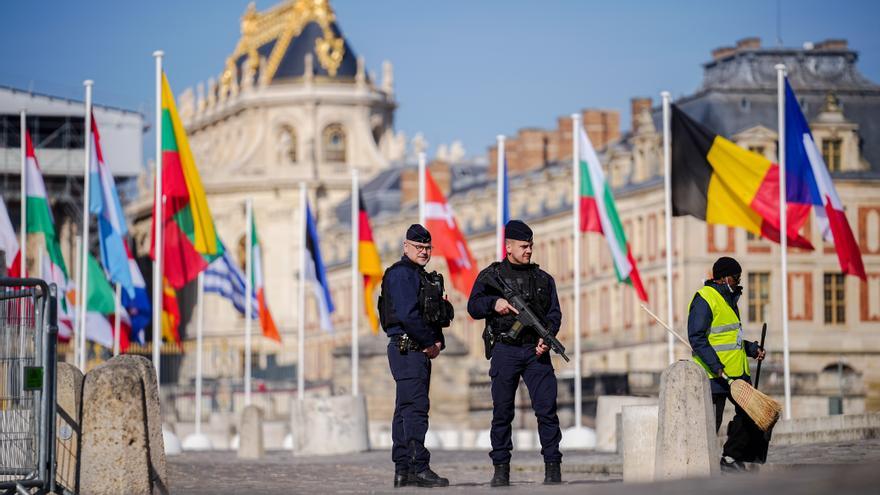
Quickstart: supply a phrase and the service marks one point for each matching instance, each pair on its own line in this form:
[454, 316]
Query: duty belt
[405, 343]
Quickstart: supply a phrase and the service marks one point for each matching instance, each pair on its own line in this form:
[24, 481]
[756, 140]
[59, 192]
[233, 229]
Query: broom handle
[761, 347]
[667, 327]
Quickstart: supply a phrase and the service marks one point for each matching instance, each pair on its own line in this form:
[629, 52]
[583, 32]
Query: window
[759, 296]
[334, 143]
[831, 154]
[757, 149]
[835, 298]
[750, 236]
[287, 144]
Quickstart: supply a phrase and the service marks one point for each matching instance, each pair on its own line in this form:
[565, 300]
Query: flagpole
[200, 320]
[501, 170]
[783, 236]
[249, 291]
[23, 219]
[84, 278]
[576, 234]
[117, 304]
[667, 188]
[301, 336]
[77, 350]
[158, 222]
[355, 261]
[422, 188]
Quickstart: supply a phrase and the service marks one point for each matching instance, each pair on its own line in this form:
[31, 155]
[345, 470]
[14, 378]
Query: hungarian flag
[721, 183]
[170, 313]
[808, 184]
[369, 263]
[9, 242]
[259, 288]
[190, 240]
[39, 221]
[599, 214]
[447, 239]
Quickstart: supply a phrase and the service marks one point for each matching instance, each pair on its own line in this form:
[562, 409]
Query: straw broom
[763, 410]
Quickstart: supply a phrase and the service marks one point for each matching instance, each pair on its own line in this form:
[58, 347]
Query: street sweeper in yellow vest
[716, 336]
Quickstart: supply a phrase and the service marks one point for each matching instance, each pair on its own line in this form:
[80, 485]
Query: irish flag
[266, 321]
[39, 221]
[99, 304]
[190, 240]
[599, 214]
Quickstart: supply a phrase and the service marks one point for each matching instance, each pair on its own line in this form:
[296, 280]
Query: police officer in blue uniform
[413, 312]
[526, 356]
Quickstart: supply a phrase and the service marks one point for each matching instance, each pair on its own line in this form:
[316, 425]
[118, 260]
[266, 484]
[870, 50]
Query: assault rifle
[526, 317]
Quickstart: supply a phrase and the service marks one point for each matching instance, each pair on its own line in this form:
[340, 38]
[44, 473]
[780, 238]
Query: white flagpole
[23, 218]
[157, 235]
[116, 326]
[422, 188]
[301, 351]
[576, 234]
[501, 170]
[200, 319]
[355, 284]
[783, 236]
[667, 187]
[78, 351]
[83, 298]
[249, 290]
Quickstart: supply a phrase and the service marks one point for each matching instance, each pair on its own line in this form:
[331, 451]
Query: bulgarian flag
[190, 240]
[599, 214]
[39, 221]
[266, 321]
[369, 263]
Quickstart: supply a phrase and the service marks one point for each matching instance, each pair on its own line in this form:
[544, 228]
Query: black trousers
[745, 441]
[412, 375]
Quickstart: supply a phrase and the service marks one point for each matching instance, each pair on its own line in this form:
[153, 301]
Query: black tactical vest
[532, 283]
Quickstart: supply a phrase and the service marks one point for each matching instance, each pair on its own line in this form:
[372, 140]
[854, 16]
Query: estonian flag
[315, 273]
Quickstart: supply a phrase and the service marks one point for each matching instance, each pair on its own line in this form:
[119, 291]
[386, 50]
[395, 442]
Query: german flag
[719, 182]
[369, 263]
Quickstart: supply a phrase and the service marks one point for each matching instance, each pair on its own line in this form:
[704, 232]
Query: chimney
[752, 43]
[409, 186]
[442, 174]
[637, 105]
[722, 52]
[602, 126]
[832, 44]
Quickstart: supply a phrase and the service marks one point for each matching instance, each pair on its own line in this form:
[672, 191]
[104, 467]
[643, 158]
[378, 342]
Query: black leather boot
[501, 476]
[552, 473]
[428, 479]
[401, 479]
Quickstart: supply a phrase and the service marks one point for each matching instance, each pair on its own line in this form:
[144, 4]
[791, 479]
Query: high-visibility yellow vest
[725, 335]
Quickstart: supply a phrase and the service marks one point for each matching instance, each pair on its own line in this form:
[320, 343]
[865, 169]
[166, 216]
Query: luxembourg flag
[809, 183]
[9, 242]
[104, 203]
[315, 273]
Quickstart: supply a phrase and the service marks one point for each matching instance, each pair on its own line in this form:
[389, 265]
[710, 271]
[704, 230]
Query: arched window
[334, 143]
[287, 144]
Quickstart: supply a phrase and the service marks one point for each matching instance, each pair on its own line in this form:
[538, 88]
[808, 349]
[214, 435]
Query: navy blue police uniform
[400, 310]
[512, 359]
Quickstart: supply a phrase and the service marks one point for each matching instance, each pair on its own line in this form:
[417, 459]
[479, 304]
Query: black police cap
[417, 233]
[517, 230]
[725, 267]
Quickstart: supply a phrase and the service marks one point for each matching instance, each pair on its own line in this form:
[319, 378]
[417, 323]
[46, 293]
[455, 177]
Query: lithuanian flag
[170, 313]
[719, 182]
[189, 238]
[369, 263]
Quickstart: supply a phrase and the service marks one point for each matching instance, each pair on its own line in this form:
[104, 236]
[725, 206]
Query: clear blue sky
[463, 69]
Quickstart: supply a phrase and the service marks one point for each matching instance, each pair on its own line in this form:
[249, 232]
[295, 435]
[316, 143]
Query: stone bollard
[250, 434]
[115, 454]
[332, 425]
[639, 435]
[69, 387]
[607, 409]
[687, 446]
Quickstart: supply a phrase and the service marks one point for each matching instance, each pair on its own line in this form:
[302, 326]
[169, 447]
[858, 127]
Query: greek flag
[225, 278]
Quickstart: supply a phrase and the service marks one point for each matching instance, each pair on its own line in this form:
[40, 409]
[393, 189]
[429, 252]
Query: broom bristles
[763, 410]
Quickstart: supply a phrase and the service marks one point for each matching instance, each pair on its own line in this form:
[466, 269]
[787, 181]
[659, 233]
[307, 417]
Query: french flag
[137, 306]
[503, 205]
[808, 183]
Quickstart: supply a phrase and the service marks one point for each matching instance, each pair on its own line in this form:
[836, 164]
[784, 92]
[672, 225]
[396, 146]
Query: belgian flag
[719, 182]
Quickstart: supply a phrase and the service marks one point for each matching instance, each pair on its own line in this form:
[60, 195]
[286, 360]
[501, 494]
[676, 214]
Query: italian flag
[259, 288]
[599, 214]
[190, 240]
[39, 221]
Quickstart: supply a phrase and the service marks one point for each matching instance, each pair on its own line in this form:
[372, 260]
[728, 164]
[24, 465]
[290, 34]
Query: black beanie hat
[725, 266]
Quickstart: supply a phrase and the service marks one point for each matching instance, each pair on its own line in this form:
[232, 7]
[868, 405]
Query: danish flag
[447, 238]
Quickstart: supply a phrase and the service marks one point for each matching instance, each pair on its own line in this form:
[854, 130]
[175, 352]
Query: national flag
[599, 214]
[447, 238]
[99, 303]
[170, 313]
[505, 204]
[9, 242]
[225, 278]
[315, 273]
[112, 229]
[190, 240]
[138, 308]
[125, 331]
[369, 263]
[259, 287]
[808, 184]
[39, 221]
[719, 182]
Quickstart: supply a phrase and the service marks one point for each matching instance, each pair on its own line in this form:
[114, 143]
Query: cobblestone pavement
[839, 468]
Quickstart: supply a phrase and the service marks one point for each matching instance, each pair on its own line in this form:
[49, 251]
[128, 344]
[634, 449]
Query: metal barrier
[28, 333]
